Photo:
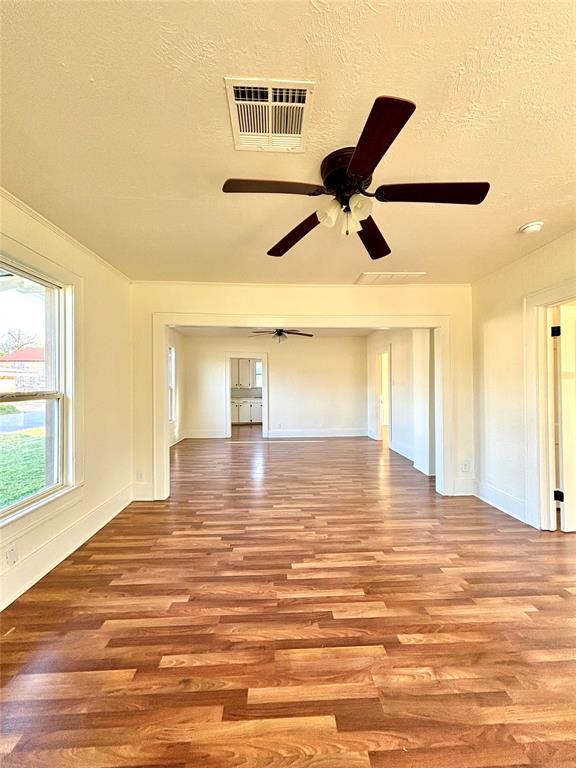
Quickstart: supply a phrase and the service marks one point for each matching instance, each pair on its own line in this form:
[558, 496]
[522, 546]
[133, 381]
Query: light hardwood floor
[298, 604]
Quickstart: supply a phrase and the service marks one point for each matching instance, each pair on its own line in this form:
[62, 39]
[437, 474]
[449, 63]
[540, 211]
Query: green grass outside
[22, 464]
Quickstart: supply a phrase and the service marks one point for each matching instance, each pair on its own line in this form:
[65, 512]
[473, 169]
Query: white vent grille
[388, 278]
[269, 115]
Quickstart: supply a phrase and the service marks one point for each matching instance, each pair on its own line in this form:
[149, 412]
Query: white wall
[176, 429]
[316, 386]
[44, 537]
[499, 368]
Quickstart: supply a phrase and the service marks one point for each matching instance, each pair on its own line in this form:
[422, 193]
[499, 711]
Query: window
[257, 373]
[171, 384]
[31, 389]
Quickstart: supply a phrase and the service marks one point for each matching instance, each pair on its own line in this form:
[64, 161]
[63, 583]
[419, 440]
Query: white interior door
[567, 415]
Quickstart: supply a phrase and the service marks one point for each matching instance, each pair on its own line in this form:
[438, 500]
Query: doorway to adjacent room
[245, 396]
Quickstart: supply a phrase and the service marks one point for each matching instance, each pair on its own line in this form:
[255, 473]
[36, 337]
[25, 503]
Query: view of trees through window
[30, 396]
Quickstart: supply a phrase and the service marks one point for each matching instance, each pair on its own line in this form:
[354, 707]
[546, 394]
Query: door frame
[386, 350]
[446, 469]
[540, 509]
[253, 355]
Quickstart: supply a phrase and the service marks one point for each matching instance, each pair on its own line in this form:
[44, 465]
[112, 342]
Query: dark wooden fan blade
[269, 185]
[299, 333]
[295, 235]
[460, 193]
[386, 119]
[373, 239]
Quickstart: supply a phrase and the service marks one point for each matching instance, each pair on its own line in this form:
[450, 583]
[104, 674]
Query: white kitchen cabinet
[243, 373]
[256, 411]
[234, 373]
[247, 411]
[244, 411]
[245, 369]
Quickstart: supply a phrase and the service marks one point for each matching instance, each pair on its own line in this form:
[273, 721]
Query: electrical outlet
[465, 466]
[10, 555]
[138, 475]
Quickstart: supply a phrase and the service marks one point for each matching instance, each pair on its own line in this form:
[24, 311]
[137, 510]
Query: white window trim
[29, 263]
[261, 373]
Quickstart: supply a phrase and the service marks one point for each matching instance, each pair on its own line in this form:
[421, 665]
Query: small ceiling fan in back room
[347, 174]
[280, 333]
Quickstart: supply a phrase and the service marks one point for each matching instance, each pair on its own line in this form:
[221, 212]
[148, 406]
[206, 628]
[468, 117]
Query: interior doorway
[550, 397]
[384, 398]
[408, 398]
[246, 395]
[245, 392]
[447, 481]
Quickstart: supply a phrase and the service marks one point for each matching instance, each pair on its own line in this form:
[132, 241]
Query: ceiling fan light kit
[361, 206]
[328, 214]
[347, 175]
[357, 209]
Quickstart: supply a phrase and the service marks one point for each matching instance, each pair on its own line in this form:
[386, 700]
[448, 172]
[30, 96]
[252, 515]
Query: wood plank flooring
[297, 604]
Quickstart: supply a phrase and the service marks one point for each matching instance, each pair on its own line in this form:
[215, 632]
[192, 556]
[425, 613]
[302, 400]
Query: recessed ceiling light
[532, 226]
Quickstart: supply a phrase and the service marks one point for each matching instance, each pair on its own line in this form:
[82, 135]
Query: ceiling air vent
[388, 278]
[270, 115]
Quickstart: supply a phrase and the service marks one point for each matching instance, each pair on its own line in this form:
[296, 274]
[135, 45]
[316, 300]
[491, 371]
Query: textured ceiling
[116, 128]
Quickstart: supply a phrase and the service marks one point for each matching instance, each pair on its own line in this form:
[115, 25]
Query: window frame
[258, 375]
[68, 443]
[171, 385]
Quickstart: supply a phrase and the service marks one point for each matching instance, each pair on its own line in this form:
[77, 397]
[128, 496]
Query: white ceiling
[188, 330]
[116, 128]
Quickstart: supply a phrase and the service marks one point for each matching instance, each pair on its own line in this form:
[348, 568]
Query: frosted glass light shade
[328, 214]
[360, 206]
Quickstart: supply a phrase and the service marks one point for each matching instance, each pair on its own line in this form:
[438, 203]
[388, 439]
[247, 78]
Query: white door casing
[567, 372]
[540, 510]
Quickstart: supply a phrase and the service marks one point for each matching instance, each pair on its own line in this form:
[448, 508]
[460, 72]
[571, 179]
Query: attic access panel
[269, 115]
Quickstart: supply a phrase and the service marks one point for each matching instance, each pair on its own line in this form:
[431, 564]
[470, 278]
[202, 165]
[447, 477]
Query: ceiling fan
[347, 174]
[281, 334]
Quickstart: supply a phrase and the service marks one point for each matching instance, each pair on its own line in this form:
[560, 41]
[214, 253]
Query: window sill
[55, 500]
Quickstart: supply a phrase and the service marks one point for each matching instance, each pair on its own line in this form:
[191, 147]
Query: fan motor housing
[334, 172]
